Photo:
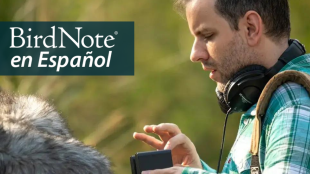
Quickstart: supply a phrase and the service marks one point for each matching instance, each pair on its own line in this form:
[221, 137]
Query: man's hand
[183, 150]
[171, 170]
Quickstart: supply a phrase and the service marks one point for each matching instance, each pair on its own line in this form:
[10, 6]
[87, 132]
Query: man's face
[220, 49]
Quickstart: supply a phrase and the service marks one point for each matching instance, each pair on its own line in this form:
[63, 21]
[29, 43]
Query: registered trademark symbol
[115, 32]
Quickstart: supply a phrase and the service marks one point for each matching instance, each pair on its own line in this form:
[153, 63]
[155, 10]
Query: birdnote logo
[51, 61]
[67, 48]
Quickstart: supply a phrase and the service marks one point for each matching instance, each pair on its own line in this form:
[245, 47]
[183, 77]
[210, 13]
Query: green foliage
[167, 87]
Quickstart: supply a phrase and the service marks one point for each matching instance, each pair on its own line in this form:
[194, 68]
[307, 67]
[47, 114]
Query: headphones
[244, 88]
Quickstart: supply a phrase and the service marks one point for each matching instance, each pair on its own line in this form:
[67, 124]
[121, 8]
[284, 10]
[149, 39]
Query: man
[230, 35]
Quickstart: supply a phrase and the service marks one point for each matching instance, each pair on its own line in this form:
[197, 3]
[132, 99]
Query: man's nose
[199, 51]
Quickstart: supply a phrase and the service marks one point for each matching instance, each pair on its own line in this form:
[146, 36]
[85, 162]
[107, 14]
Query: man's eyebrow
[201, 29]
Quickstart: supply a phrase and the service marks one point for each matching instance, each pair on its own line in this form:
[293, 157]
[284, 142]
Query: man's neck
[272, 51]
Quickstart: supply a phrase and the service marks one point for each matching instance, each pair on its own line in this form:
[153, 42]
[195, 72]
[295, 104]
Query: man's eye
[208, 37]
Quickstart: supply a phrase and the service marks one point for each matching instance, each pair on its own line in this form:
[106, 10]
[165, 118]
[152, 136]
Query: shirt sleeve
[206, 169]
[288, 141]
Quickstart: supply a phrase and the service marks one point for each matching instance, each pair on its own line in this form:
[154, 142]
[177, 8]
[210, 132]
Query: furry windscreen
[34, 139]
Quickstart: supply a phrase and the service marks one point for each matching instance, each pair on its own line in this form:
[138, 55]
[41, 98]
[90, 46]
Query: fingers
[179, 139]
[148, 140]
[149, 128]
[164, 136]
[171, 128]
[164, 130]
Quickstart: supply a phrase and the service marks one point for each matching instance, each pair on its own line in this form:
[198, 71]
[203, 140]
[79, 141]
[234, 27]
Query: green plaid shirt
[285, 139]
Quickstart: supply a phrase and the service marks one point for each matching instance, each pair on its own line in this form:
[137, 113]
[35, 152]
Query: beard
[235, 57]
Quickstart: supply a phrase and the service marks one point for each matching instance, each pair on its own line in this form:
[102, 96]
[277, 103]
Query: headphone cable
[223, 141]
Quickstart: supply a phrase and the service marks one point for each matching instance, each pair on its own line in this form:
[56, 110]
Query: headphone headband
[295, 50]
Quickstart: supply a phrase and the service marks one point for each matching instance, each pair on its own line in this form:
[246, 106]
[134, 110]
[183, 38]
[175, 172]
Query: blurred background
[105, 111]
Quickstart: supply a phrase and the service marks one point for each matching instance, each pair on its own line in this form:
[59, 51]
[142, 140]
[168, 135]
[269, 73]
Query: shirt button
[245, 121]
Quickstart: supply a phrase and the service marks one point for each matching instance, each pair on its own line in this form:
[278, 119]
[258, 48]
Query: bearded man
[234, 39]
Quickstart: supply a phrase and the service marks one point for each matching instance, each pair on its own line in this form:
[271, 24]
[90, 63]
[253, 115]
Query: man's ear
[252, 25]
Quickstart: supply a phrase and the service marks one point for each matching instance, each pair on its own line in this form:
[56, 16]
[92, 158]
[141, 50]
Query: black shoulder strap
[262, 105]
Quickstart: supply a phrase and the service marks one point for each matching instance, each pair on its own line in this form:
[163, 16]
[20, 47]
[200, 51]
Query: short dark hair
[274, 13]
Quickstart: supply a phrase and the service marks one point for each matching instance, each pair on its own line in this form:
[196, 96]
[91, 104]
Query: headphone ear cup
[241, 74]
[221, 101]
